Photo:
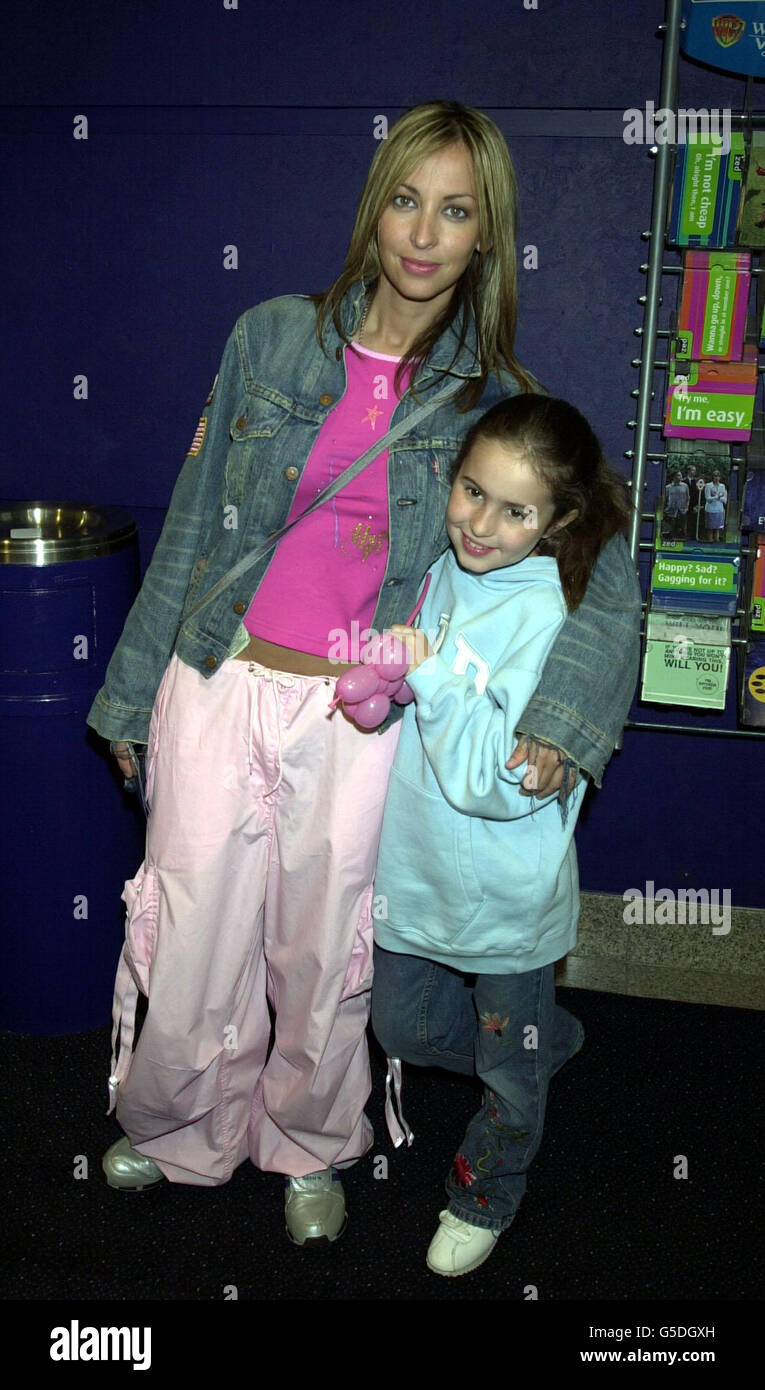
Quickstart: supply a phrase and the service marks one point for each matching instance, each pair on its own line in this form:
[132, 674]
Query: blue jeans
[508, 1030]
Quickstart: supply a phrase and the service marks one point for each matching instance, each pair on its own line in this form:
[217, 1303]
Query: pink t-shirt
[327, 573]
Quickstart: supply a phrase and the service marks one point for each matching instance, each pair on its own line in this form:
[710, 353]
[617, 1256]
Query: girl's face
[429, 230]
[498, 509]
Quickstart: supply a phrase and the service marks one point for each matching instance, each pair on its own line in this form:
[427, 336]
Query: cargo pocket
[177, 1097]
[358, 976]
[141, 897]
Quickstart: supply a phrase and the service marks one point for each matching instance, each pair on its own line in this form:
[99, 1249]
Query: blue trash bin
[68, 576]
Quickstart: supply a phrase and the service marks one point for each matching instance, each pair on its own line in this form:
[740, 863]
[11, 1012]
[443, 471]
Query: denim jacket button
[211, 661]
[241, 422]
[292, 473]
[326, 400]
[239, 607]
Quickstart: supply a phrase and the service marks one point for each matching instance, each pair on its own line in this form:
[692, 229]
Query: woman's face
[429, 230]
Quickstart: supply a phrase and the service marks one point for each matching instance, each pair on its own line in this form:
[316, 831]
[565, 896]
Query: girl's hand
[545, 771]
[415, 642]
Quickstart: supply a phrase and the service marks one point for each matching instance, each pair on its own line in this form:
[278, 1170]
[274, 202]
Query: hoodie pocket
[426, 878]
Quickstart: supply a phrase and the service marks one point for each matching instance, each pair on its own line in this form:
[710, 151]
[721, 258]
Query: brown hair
[566, 456]
[488, 287]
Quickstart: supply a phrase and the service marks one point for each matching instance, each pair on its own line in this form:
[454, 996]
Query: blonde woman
[250, 919]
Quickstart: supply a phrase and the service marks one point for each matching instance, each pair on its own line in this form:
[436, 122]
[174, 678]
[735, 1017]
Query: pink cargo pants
[256, 889]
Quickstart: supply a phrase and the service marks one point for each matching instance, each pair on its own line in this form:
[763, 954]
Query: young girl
[254, 897]
[477, 891]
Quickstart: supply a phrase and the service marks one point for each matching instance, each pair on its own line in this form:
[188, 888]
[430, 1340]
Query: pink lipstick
[419, 267]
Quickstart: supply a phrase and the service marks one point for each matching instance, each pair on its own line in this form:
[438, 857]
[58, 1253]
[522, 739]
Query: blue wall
[254, 126]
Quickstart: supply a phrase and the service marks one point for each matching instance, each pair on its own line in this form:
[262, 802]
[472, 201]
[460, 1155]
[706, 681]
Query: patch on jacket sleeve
[199, 436]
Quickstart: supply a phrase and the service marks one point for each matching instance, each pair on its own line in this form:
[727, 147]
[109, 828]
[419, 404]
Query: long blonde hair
[488, 287]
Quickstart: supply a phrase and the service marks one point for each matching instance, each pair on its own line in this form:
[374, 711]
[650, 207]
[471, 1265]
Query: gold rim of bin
[49, 533]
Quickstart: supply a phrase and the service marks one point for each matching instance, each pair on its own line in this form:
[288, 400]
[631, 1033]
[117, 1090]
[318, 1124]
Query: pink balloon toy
[365, 692]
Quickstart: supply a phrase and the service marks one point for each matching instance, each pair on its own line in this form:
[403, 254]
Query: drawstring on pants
[123, 1015]
[137, 897]
[279, 680]
[398, 1128]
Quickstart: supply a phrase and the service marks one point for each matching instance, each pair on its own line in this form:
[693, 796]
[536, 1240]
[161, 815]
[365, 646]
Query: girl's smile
[472, 547]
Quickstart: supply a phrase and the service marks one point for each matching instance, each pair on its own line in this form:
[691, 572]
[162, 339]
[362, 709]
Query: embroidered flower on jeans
[492, 1023]
[492, 1110]
[481, 1200]
[462, 1173]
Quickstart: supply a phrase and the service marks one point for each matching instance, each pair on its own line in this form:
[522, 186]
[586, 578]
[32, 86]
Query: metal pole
[692, 729]
[668, 100]
[650, 331]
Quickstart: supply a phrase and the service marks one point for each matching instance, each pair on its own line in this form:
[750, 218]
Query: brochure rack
[647, 455]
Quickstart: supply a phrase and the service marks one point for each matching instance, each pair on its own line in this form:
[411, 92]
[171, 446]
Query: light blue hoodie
[471, 873]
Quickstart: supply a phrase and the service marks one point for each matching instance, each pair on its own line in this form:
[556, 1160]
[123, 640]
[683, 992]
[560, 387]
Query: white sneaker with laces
[457, 1247]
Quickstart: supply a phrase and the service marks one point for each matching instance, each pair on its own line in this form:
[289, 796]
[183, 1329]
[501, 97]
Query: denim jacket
[273, 392]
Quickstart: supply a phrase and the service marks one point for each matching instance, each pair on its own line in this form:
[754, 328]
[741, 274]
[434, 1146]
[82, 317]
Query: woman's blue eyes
[401, 198]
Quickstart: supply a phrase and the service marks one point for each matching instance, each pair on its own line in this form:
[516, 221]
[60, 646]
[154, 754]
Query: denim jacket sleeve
[122, 708]
[588, 681]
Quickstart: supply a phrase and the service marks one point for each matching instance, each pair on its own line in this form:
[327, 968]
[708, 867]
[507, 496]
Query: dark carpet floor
[604, 1217]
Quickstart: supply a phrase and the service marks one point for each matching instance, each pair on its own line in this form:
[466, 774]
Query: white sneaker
[457, 1247]
[314, 1207]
